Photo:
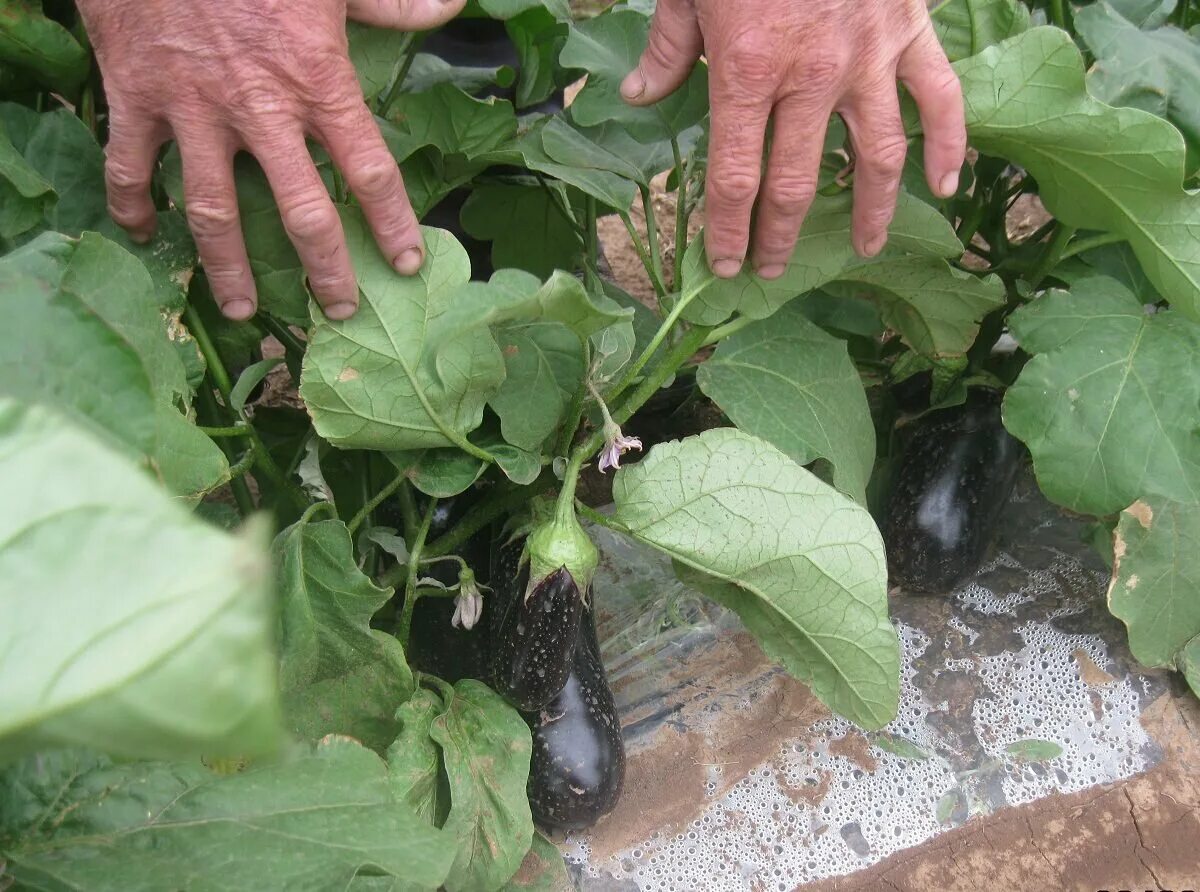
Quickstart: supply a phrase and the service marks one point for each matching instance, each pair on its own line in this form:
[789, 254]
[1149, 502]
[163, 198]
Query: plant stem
[378, 499]
[659, 289]
[495, 506]
[408, 512]
[574, 415]
[592, 240]
[661, 335]
[1096, 241]
[410, 584]
[684, 350]
[339, 185]
[237, 485]
[564, 210]
[728, 329]
[217, 433]
[281, 333]
[1052, 254]
[408, 52]
[652, 234]
[317, 508]
[220, 377]
[1058, 14]
[681, 216]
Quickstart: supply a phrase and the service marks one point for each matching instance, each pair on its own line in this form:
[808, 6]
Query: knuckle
[822, 74]
[738, 188]
[211, 219]
[751, 61]
[886, 157]
[946, 85]
[123, 177]
[790, 193]
[252, 102]
[328, 284]
[666, 49]
[375, 177]
[310, 219]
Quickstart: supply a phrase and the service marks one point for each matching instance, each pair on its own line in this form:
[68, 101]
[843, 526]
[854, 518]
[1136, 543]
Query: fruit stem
[410, 583]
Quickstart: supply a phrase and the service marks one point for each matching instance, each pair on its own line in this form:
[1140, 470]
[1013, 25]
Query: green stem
[492, 508]
[217, 433]
[661, 335]
[574, 415]
[339, 186]
[220, 377]
[1058, 13]
[593, 247]
[237, 485]
[684, 350]
[681, 217]
[1052, 254]
[564, 210]
[410, 584]
[408, 512]
[652, 234]
[317, 508]
[728, 329]
[378, 499]
[408, 51]
[659, 289]
[1095, 241]
[281, 333]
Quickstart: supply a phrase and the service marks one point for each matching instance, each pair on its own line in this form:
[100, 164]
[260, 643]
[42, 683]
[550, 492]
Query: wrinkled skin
[795, 62]
[260, 76]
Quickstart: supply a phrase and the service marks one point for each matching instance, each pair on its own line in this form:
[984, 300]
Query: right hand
[260, 76]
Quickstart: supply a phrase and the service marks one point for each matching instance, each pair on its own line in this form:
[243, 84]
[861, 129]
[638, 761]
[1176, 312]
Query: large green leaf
[1110, 408]
[24, 194]
[527, 226]
[486, 749]
[129, 624]
[967, 27]
[376, 55]
[415, 760]
[415, 366]
[1156, 576]
[544, 369]
[337, 674]
[801, 564]
[1156, 70]
[609, 188]
[934, 307]
[69, 820]
[1118, 170]
[788, 382]
[83, 332]
[1189, 664]
[41, 46]
[608, 47]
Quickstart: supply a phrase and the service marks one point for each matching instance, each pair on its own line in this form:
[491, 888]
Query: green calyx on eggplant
[578, 766]
[559, 546]
[955, 475]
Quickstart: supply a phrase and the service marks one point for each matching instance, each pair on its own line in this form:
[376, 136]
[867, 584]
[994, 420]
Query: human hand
[798, 61]
[260, 76]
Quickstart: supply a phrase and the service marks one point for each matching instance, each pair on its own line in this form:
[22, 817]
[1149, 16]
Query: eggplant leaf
[801, 564]
[31, 41]
[337, 674]
[129, 624]
[415, 759]
[1110, 406]
[967, 27]
[70, 820]
[788, 382]
[1156, 574]
[1116, 170]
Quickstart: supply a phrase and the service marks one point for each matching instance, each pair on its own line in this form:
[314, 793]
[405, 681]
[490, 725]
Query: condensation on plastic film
[1029, 637]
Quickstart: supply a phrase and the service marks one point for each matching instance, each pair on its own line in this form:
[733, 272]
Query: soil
[1143, 833]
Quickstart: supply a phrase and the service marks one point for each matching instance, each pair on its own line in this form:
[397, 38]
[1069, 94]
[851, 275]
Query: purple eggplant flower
[616, 446]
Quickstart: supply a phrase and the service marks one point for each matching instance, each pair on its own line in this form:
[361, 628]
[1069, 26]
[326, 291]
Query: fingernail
[339, 311]
[727, 269]
[238, 310]
[949, 184]
[634, 85]
[409, 262]
[771, 271]
[875, 245]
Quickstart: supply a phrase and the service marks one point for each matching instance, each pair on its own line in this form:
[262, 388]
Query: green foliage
[967, 27]
[41, 47]
[1110, 406]
[771, 542]
[129, 625]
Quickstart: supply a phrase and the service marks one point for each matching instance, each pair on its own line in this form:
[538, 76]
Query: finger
[212, 214]
[311, 221]
[877, 134]
[674, 48]
[742, 91]
[130, 159]
[404, 15]
[791, 181]
[927, 74]
[358, 149]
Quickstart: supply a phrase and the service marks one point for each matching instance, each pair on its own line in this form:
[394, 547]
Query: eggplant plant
[174, 681]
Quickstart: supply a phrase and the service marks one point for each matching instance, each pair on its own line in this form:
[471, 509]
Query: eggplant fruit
[955, 475]
[578, 766]
[533, 630]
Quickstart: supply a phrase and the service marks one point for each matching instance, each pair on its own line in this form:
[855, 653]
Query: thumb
[676, 43]
[404, 15]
